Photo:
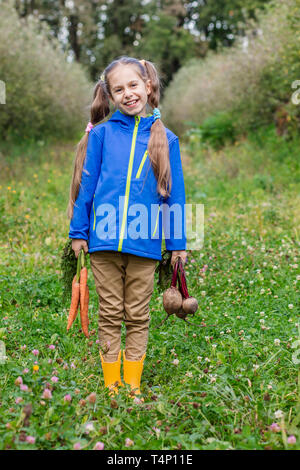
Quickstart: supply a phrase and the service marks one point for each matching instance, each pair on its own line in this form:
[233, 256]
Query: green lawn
[231, 380]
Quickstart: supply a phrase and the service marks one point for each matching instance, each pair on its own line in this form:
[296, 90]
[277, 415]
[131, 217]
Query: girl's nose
[128, 94]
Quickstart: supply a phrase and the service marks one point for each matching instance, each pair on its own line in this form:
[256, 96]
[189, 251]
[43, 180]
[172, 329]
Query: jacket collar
[128, 122]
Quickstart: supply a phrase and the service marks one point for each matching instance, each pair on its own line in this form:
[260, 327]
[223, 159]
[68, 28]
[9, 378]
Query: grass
[232, 379]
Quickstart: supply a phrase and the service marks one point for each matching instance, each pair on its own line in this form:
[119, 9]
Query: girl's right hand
[78, 244]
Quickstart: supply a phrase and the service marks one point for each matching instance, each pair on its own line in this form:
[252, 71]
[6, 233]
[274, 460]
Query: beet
[178, 301]
[181, 314]
[190, 305]
[172, 300]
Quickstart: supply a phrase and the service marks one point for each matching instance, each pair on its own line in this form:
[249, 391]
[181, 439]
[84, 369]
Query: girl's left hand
[175, 254]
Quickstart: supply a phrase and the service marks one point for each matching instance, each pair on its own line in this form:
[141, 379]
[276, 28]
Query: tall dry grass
[248, 80]
[45, 94]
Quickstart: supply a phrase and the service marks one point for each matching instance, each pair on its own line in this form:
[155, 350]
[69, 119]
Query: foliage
[216, 130]
[168, 46]
[167, 32]
[165, 271]
[251, 80]
[45, 95]
[222, 22]
[68, 267]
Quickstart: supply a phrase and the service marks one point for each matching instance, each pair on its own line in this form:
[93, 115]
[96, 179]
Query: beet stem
[184, 282]
[183, 290]
[174, 277]
[161, 323]
[182, 277]
[194, 324]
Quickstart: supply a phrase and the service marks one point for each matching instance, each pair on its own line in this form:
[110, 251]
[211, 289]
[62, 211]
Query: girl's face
[129, 92]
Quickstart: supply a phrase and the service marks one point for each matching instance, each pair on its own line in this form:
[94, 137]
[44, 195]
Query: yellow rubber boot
[111, 373]
[133, 373]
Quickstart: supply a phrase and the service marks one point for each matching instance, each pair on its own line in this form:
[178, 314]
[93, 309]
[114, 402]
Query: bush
[217, 130]
[251, 80]
[45, 94]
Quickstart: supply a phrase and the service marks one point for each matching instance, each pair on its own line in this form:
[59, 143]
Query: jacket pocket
[138, 174]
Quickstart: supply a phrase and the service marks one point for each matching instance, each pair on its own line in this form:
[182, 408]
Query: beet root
[172, 300]
[181, 314]
[190, 306]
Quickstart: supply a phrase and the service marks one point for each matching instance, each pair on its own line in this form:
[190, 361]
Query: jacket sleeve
[80, 222]
[173, 209]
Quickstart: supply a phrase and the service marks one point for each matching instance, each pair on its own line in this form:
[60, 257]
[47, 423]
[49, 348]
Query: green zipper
[156, 222]
[142, 164]
[127, 191]
[94, 214]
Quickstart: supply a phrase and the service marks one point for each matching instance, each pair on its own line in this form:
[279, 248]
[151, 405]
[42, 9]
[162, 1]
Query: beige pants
[124, 283]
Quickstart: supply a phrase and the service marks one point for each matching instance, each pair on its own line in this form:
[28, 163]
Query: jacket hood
[128, 122]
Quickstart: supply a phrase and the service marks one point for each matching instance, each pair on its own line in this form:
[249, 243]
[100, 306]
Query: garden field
[231, 383]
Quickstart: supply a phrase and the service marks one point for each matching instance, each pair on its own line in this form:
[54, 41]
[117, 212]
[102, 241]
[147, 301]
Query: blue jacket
[118, 207]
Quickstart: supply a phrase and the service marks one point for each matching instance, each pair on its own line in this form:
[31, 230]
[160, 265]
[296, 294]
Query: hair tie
[89, 127]
[102, 78]
[142, 62]
[156, 113]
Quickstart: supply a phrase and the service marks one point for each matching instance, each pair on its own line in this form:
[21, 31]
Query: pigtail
[158, 146]
[98, 111]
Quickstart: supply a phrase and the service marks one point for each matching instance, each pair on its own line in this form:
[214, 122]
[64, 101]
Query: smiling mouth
[131, 104]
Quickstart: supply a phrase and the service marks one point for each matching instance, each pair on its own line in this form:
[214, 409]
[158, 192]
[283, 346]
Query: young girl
[126, 165]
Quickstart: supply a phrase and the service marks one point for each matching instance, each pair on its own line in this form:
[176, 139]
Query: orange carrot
[75, 299]
[74, 302]
[83, 285]
[83, 281]
[84, 312]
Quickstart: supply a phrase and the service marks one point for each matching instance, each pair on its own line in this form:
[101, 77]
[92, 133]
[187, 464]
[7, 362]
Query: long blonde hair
[158, 147]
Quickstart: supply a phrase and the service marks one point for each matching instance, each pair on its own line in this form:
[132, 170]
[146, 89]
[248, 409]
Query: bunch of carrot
[80, 295]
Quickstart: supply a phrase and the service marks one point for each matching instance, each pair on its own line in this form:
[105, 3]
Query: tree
[167, 32]
[168, 45]
[221, 22]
